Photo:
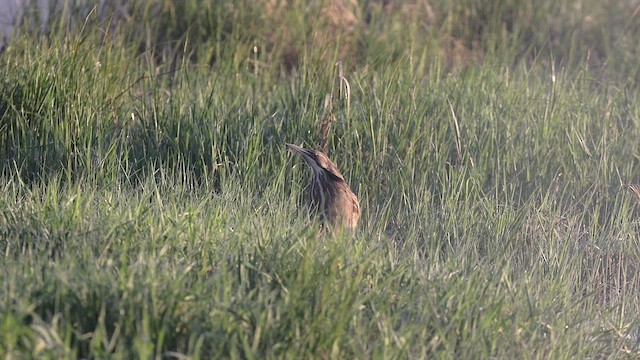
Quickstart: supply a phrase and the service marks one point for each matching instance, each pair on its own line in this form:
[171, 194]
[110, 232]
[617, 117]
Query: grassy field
[149, 209]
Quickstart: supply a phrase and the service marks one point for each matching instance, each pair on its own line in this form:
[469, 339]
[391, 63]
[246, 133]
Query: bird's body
[331, 196]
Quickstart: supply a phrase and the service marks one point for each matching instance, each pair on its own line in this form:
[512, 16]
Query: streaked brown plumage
[331, 196]
[635, 189]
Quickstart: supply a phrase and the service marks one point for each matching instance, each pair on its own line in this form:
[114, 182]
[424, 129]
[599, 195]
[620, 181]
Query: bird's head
[318, 161]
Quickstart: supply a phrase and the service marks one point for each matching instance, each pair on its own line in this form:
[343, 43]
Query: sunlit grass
[148, 207]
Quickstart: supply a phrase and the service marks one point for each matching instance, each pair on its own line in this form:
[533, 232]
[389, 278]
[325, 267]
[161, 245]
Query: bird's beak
[294, 147]
[306, 153]
[298, 149]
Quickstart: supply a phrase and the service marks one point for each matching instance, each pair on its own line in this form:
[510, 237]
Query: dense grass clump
[148, 207]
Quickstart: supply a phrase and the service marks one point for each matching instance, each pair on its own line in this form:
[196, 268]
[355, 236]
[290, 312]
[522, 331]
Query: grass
[149, 208]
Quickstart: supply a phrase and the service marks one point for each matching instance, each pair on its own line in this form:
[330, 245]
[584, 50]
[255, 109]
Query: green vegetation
[148, 208]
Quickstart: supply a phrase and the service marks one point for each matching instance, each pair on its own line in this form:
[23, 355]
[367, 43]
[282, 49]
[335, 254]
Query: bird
[635, 189]
[331, 196]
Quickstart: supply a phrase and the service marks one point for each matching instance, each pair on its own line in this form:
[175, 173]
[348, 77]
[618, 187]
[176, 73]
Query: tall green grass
[148, 207]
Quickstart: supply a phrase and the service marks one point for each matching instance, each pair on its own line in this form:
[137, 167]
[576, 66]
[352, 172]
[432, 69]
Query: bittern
[331, 196]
